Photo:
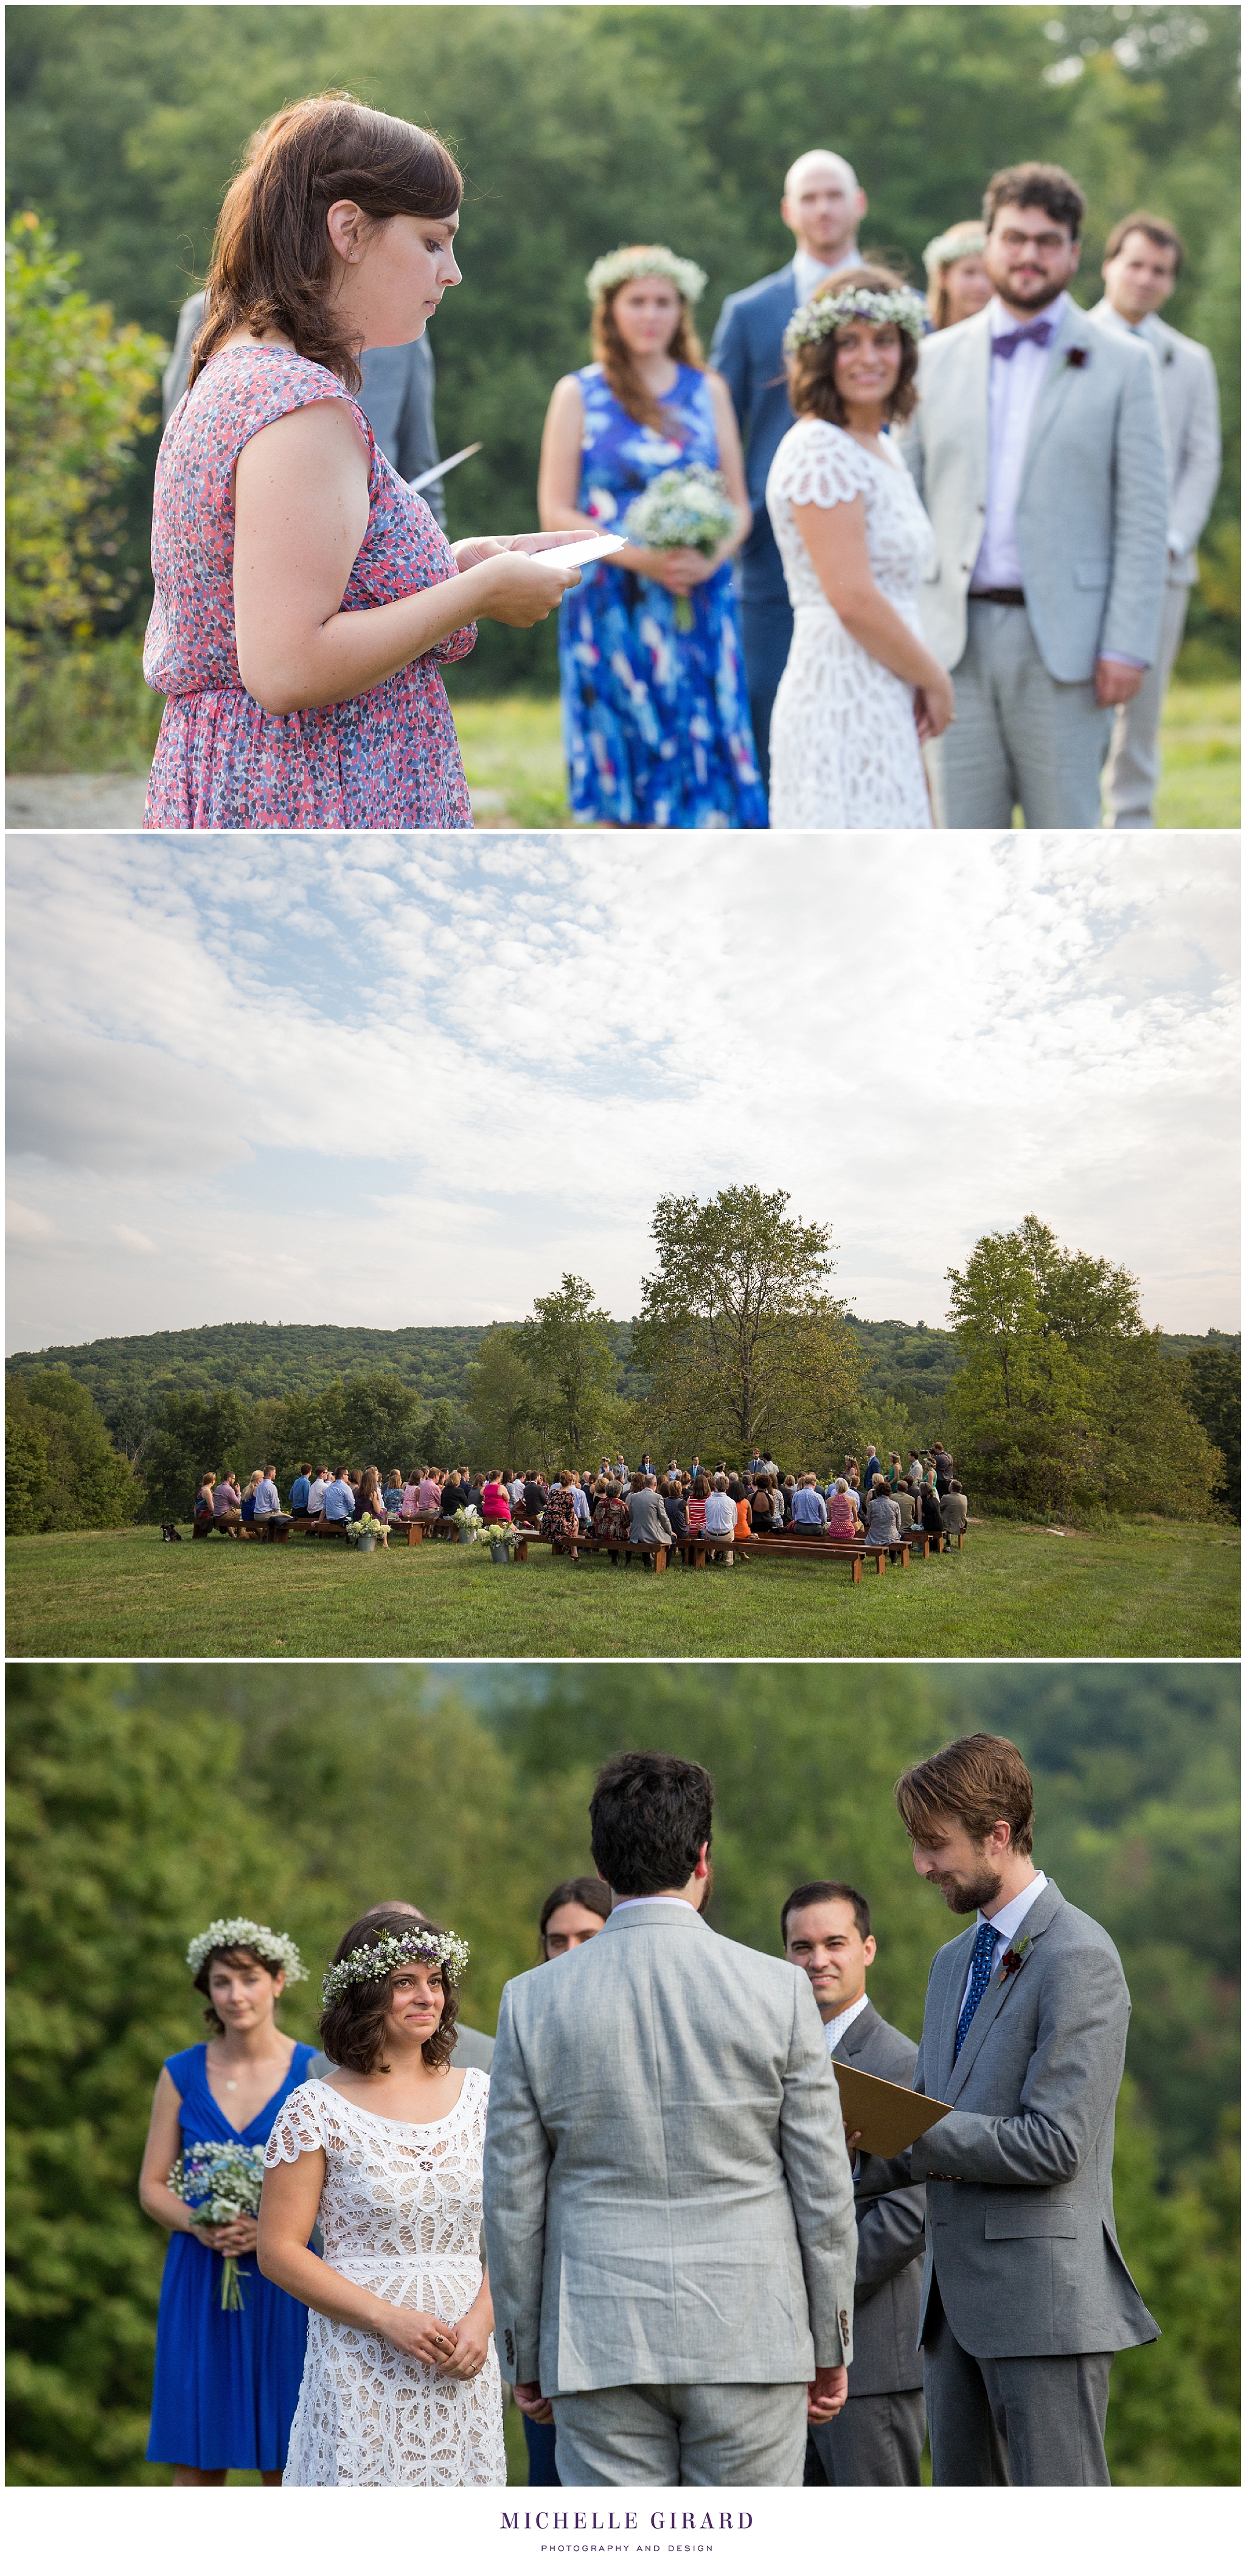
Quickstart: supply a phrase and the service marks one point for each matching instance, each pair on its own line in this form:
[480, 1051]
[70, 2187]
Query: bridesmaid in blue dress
[655, 712]
[227, 2380]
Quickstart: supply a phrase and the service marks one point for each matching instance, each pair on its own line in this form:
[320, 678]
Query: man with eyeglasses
[1038, 449]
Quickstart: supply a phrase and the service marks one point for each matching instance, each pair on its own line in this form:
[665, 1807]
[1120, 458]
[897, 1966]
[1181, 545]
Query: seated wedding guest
[672, 1493]
[743, 1514]
[882, 1520]
[648, 1524]
[304, 597]
[266, 1501]
[905, 1502]
[514, 1487]
[560, 1520]
[957, 284]
[931, 1508]
[227, 2378]
[697, 1501]
[369, 1498]
[1142, 262]
[665, 2078]
[428, 1498]
[299, 1491]
[1038, 450]
[386, 2152]
[453, 1495]
[339, 1499]
[394, 1484]
[876, 2440]
[779, 1512]
[203, 1514]
[953, 1508]
[495, 1502]
[720, 1520]
[227, 1504]
[533, 1500]
[841, 1511]
[861, 692]
[316, 1492]
[610, 1518]
[654, 703]
[808, 1509]
[579, 1496]
[1025, 2297]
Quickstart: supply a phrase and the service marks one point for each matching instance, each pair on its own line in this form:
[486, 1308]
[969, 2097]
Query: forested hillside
[143, 1804]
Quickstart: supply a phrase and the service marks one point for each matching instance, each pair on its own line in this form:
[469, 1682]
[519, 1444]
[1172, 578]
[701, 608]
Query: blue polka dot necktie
[979, 1980]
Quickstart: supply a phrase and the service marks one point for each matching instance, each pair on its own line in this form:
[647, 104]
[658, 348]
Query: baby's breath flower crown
[960, 243]
[825, 313]
[654, 261]
[276, 1949]
[397, 1950]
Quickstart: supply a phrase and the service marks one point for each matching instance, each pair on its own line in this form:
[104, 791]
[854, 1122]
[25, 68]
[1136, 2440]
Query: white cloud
[396, 1079]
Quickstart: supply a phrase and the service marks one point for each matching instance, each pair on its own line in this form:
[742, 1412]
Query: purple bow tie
[1010, 341]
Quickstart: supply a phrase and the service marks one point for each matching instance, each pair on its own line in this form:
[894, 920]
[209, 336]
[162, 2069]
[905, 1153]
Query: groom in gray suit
[1026, 2296]
[668, 2204]
[1038, 448]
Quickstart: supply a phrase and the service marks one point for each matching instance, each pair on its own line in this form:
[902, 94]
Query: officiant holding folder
[877, 2439]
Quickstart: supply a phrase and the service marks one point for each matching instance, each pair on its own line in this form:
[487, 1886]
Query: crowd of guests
[880, 1502]
[984, 498]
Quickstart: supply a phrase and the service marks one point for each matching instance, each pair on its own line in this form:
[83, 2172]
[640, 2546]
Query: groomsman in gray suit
[1143, 263]
[668, 2203]
[822, 205]
[471, 2047]
[877, 2440]
[1026, 2296]
[1038, 448]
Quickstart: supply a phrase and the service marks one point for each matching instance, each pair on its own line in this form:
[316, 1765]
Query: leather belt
[1001, 598]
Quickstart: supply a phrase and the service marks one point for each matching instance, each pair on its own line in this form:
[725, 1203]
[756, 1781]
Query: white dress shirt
[810, 273]
[840, 2022]
[1006, 1923]
[1015, 385]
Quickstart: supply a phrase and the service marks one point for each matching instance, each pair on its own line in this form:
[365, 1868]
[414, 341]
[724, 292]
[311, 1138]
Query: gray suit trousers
[1132, 773]
[873, 2441]
[1033, 2420]
[1020, 737]
[649, 2436]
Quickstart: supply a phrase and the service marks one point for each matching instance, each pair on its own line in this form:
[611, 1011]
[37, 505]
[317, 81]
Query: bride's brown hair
[352, 2026]
[619, 367]
[272, 259]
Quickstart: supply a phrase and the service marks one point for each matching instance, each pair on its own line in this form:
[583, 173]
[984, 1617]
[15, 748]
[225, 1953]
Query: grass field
[1149, 1588]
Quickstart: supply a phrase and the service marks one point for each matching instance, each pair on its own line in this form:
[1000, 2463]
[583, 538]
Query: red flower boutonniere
[1077, 357]
[1012, 1959]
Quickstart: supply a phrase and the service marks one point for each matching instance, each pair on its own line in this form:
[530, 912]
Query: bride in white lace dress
[860, 693]
[401, 2384]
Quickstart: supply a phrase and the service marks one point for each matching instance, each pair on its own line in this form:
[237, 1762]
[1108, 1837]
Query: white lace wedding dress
[400, 2214]
[844, 752]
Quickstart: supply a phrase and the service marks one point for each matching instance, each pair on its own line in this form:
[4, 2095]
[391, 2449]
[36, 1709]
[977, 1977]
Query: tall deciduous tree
[500, 1394]
[741, 1341]
[566, 1346]
[62, 1471]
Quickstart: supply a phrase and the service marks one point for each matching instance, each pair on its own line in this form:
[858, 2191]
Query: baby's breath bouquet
[220, 2182]
[367, 1526]
[686, 506]
[470, 1524]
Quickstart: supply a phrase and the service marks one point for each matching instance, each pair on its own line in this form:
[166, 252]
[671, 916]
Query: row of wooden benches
[695, 1550]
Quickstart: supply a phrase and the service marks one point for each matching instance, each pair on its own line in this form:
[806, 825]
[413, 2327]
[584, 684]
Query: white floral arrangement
[220, 2181]
[825, 313]
[366, 1526]
[397, 1950]
[651, 259]
[687, 506]
[468, 1521]
[276, 1949]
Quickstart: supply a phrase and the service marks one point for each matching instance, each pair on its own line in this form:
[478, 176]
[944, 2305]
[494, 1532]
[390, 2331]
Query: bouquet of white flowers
[470, 1524]
[686, 506]
[366, 1526]
[220, 2182]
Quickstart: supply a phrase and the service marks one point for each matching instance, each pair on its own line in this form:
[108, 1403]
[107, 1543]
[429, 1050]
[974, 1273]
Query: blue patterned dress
[655, 722]
[227, 2379]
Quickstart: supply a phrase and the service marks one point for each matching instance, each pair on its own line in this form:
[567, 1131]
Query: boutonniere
[1077, 356]
[1012, 1959]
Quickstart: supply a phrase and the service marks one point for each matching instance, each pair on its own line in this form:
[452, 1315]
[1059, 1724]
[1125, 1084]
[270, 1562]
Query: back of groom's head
[651, 1817]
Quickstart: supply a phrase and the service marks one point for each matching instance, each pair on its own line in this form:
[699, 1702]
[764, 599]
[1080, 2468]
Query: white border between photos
[741, 2531]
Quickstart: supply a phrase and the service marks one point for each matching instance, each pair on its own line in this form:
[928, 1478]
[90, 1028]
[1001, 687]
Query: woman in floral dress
[559, 1520]
[654, 699]
[305, 597]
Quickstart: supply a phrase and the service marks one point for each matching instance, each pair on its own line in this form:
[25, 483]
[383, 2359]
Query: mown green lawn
[1150, 1588]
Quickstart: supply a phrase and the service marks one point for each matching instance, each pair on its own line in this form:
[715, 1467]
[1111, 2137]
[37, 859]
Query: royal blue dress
[227, 2379]
[655, 721]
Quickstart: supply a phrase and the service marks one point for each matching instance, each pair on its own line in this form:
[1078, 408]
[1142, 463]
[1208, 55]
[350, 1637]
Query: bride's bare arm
[840, 557]
[289, 2203]
[301, 513]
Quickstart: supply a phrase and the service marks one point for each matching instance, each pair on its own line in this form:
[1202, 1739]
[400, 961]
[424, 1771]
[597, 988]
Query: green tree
[567, 1350]
[500, 1395]
[190, 1433]
[741, 1341]
[1213, 1392]
[68, 1474]
[1175, 2415]
[78, 394]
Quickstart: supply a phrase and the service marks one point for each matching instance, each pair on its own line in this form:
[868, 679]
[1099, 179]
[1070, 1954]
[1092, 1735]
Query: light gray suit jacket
[1190, 398]
[667, 2191]
[1092, 512]
[891, 2214]
[1019, 2222]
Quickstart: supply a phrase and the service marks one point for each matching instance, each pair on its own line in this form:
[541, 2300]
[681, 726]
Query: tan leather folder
[888, 2116]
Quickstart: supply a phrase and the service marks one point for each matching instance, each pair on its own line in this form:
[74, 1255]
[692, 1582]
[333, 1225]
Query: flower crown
[824, 313]
[656, 261]
[240, 1933]
[396, 1950]
[962, 242]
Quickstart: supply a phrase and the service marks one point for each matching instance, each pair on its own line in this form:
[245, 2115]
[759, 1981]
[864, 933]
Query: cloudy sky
[395, 1079]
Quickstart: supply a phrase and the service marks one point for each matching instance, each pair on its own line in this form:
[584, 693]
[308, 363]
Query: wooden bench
[850, 1551]
[276, 1528]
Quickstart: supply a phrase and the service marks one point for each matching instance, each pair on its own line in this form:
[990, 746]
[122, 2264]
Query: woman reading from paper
[305, 596]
